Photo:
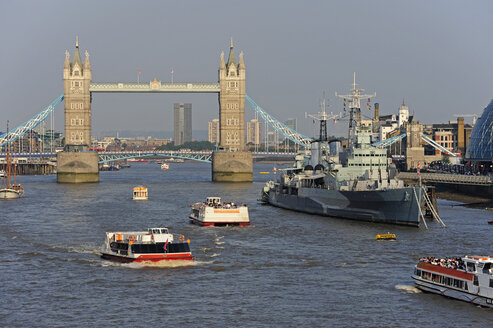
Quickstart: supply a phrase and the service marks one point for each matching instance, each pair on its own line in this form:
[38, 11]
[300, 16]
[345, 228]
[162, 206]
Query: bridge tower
[232, 163]
[76, 163]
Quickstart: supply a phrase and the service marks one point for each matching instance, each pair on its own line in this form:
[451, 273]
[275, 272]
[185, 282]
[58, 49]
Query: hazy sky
[436, 55]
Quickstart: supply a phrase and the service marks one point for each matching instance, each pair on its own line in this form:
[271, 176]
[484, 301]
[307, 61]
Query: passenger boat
[490, 222]
[213, 212]
[164, 166]
[469, 278]
[136, 160]
[140, 193]
[153, 245]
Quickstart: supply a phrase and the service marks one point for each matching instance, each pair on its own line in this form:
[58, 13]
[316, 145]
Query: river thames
[287, 269]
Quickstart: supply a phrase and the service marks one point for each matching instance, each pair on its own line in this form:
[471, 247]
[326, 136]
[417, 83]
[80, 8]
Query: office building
[213, 131]
[183, 123]
[253, 132]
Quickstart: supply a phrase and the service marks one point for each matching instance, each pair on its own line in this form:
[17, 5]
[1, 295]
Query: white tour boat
[469, 278]
[213, 212]
[153, 245]
[164, 166]
[140, 193]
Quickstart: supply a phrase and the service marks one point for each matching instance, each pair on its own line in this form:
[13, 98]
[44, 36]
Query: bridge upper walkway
[155, 86]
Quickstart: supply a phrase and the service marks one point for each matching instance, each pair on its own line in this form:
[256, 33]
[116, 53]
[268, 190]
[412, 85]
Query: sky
[436, 56]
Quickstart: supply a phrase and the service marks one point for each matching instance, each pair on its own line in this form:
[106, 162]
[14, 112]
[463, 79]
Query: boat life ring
[131, 238]
[152, 237]
[182, 238]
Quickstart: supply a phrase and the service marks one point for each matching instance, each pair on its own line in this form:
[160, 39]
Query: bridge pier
[232, 166]
[77, 167]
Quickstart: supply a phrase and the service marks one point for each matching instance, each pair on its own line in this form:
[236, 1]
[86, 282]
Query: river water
[287, 269]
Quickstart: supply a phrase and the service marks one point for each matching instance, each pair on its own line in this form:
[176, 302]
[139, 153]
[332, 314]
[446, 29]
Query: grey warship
[359, 183]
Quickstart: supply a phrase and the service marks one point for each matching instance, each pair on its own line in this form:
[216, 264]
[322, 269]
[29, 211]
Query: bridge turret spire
[77, 59]
[222, 64]
[232, 58]
[67, 60]
[241, 65]
[87, 64]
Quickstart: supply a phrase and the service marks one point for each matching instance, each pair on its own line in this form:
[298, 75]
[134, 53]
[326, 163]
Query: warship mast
[354, 106]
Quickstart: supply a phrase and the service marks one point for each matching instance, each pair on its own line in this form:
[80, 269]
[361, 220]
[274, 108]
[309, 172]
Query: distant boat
[140, 193]
[164, 166]
[136, 160]
[490, 222]
[11, 191]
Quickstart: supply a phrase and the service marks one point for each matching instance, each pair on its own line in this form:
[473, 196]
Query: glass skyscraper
[480, 148]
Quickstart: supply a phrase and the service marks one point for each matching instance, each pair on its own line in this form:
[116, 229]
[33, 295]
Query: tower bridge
[78, 164]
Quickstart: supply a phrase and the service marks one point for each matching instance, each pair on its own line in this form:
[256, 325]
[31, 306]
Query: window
[76, 73]
[491, 282]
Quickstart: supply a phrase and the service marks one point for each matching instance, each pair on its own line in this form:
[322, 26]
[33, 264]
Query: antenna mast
[354, 105]
[323, 117]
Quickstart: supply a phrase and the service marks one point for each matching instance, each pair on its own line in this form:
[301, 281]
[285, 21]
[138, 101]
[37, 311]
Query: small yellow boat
[386, 236]
[264, 172]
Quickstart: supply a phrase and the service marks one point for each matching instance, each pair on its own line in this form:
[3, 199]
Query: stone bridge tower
[77, 78]
[76, 163]
[232, 163]
[232, 102]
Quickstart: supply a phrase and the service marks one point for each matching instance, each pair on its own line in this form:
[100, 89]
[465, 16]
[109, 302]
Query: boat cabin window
[471, 267]
[164, 230]
[491, 282]
[475, 281]
[486, 268]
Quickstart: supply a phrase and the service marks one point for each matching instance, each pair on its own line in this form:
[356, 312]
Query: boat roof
[485, 258]
[142, 232]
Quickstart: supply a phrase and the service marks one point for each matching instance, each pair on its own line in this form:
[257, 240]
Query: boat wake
[144, 265]
[409, 289]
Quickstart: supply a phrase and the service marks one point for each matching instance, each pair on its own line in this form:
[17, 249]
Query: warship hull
[395, 206]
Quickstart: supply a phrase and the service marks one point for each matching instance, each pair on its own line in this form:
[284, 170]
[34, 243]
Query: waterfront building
[453, 135]
[31, 142]
[182, 123]
[254, 132]
[213, 131]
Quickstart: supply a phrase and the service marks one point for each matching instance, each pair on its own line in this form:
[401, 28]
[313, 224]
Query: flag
[138, 70]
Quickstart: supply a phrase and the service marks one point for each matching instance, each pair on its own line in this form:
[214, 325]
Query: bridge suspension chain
[29, 125]
[279, 126]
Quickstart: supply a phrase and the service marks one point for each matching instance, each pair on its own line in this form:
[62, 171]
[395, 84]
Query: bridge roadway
[456, 179]
[105, 156]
